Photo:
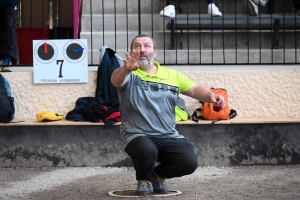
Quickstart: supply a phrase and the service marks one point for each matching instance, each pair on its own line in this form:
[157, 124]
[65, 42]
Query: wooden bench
[237, 120]
[233, 22]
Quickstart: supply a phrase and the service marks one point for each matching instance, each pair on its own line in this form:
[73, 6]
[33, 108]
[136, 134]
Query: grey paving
[255, 182]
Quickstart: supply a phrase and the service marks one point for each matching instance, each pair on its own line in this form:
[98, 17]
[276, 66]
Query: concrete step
[120, 16]
[191, 6]
[230, 40]
[232, 6]
[228, 56]
[207, 40]
[196, 7]
[121, 22]
[121, 6]
[122, 40]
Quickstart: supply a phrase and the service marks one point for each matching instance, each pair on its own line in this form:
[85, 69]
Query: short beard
[144, 64]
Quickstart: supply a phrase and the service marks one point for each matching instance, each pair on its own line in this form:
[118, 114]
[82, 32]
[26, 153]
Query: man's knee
[190, 159]
[192, 166]
[141, 148]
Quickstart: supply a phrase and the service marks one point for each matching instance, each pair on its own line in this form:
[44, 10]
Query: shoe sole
[162, 15]
[142, 193]
[214, 14]
[161, 191]
[6, 70]
[217, 15]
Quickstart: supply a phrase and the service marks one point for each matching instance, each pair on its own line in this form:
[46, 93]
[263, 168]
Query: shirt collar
[159, 73]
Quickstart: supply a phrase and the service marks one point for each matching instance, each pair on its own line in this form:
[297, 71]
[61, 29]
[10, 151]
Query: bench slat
[63, 122]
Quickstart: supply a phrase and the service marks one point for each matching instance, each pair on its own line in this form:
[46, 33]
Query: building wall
[254, 91]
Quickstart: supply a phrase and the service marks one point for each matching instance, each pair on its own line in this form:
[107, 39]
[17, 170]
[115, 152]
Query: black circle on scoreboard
[71, 51]
[45, 55]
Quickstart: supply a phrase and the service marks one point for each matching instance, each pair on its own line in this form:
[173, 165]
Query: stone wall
[254, 91]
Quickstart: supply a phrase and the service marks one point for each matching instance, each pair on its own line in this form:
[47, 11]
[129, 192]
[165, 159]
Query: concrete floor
[234, 183]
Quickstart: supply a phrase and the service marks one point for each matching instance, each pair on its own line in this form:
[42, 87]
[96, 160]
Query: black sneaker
[159, 185]
[143, 187]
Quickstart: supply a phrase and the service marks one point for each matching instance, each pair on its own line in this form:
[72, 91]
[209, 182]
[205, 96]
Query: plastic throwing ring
[131, 193]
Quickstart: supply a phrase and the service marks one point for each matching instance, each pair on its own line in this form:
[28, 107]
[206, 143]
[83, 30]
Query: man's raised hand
[131, 60]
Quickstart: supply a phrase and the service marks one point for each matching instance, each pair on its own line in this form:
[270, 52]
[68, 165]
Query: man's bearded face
[146, 61]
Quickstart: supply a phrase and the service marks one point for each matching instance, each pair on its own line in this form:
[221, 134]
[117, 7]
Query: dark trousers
[173, 2]
[8, 39]
[176, 157]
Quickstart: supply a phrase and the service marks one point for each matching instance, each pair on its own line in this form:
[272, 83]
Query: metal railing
[191, 37]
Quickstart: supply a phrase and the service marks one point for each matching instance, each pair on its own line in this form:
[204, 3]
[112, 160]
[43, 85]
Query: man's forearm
[204, 94]
[119, 76]
[201, 93]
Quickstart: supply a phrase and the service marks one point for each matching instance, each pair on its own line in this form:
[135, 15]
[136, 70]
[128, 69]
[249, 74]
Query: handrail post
[139, 13]
[76, 4]
[276, 34]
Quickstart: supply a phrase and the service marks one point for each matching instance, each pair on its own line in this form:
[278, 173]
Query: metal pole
[56, 18]
[75, 18]
[139, 8]
[50, 15]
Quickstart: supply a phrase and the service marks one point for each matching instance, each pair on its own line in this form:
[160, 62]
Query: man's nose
[142, 49]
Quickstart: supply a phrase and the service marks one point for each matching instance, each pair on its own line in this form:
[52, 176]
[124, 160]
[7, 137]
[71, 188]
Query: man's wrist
[124, 70]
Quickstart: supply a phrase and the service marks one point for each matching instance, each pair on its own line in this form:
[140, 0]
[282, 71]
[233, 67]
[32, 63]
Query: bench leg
[276, 34]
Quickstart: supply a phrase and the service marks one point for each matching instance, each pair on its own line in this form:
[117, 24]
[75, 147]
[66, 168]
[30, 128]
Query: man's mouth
[143, 57]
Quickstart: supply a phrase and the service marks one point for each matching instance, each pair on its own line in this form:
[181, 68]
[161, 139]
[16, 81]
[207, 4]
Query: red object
[45, 47]
[113, 118]
[25, 36]
[216, 107]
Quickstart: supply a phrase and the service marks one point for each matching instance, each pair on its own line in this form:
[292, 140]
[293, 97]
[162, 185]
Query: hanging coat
[106, 93]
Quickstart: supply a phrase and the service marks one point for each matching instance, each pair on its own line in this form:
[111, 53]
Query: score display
[60, 61]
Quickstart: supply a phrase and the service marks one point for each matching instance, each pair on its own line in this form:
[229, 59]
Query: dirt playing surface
[255, 182]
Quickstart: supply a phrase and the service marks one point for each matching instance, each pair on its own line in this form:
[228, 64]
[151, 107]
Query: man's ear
[155, 53]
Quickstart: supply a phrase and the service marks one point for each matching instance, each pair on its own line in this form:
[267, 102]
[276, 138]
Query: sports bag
[7, 104]
[206, 112]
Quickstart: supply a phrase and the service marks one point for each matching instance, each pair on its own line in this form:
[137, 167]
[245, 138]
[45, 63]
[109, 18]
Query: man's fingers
[130, 62]
[135, 54]
[127, 55]
[220, 102]
[223, 105]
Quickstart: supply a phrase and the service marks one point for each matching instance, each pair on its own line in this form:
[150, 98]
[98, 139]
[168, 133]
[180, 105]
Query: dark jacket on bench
[105, 106]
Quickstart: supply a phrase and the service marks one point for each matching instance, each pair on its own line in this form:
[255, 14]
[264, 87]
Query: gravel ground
[255, 182]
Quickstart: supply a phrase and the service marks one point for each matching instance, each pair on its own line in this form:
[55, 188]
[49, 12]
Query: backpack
[7, 104]
[207, 112]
